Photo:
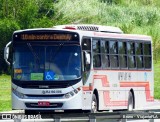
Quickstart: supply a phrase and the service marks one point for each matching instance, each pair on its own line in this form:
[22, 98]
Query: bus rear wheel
[130, 102]
[94, 104]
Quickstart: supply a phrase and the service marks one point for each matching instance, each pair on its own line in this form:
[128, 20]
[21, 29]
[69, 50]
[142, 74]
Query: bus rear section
[121, 75]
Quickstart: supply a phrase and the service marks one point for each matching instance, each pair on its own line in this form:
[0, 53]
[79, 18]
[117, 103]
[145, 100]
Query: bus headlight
[72, 93]
[20, 95]
[67, 95]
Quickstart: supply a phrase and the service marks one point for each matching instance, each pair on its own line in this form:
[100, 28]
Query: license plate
[43, 103]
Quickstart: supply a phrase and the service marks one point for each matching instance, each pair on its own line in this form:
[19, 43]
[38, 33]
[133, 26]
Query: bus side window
[122, 54]
[105, 54]
[131, 55]
[139, 55]
[113, 50]
[86, 44]
[96, 53]
[147, 56]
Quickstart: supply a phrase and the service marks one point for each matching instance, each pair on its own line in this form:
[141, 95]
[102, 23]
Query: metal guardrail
[120, 116]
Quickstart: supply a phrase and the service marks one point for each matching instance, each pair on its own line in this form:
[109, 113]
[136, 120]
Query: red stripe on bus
[106, 95]
[103, 78]
[108, 102]
[139, 84]
[87, 88]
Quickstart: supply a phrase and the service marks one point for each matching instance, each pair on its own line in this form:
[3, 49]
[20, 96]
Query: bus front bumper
[72, 103]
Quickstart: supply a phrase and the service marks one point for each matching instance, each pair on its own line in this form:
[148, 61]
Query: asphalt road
[144, 114]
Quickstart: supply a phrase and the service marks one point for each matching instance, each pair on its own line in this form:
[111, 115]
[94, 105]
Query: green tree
[6, 29]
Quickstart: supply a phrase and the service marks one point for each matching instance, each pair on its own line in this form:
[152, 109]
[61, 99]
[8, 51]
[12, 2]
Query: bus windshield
[46, 63]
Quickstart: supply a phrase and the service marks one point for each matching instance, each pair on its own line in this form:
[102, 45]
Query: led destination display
[57, 37]
[46, 35]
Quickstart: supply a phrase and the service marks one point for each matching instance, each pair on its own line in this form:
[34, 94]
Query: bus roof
[93, 33]
[123, 36]
[89, 27]
[102, 31]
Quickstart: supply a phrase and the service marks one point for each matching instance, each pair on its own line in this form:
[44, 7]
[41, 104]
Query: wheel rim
[130, 106]
[130, 102]
[94, 105]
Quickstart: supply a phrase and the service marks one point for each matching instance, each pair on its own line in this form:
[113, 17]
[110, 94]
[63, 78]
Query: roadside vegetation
[157, 80]
[132, 16]
[5, 93]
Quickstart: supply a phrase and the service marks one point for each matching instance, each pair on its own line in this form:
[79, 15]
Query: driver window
[86, 49]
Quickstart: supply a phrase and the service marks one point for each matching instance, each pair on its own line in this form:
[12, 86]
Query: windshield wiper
[33, 52]
[57, 51]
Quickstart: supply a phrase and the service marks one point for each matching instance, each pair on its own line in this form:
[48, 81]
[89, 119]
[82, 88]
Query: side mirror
[6, 53]
[88, 58]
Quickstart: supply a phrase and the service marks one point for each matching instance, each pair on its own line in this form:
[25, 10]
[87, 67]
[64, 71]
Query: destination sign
[66, 37]
[45, 35]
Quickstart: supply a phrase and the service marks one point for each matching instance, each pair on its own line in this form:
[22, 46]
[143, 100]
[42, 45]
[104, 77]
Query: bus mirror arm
[6, 53]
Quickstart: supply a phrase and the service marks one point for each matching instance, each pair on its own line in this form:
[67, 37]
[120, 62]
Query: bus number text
[124, 76]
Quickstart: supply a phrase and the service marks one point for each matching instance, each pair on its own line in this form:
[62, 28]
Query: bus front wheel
[130, 102]
[94, 104]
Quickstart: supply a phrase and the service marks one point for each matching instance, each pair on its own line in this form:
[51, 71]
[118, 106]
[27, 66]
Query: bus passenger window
[131, 62]
[139, 48]
[96, 46]
[105, 61]
[122, 47]
[113, 50]
[114, 61]
[147, 49]
[96, 60]
[105, 47]
[131, 48]
[147, 56]
[148, 62]
[139, 60]
[123, 61]
[113, 47]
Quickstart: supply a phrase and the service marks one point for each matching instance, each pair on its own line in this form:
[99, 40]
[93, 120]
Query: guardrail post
[124, 120]
[57, 119]
[17, 120]
[151, 120]
[92, 119]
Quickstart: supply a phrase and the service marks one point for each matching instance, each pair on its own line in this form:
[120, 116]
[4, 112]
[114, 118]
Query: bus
[80, 68]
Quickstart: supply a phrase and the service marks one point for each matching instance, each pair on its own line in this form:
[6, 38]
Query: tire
[130, 102]
[94, 105]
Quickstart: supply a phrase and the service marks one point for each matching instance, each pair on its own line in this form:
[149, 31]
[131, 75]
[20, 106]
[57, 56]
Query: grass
[157, 80]
[5, 93]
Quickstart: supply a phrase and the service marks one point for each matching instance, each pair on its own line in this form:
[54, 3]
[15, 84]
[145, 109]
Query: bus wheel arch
[131, 100]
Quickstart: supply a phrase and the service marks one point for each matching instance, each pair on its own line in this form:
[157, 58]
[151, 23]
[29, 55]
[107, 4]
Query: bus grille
[49, 86]
[52, 105]
[55, 96]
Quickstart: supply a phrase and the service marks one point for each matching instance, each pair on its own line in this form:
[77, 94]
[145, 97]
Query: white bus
[80, 67]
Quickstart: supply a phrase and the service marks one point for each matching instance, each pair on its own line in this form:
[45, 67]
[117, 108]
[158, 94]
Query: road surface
[148, 112]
